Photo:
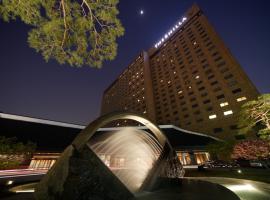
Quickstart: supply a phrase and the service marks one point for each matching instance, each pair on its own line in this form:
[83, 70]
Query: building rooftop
[56, 136]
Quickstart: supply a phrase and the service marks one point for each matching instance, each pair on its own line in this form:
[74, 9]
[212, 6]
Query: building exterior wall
[44, 161]
[190, 79]
[127, 93]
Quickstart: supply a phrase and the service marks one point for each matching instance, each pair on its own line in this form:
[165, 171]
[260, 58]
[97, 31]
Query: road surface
[245, 189]
[10, 177]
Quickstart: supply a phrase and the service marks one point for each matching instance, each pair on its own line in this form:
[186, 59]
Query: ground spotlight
[10, 182]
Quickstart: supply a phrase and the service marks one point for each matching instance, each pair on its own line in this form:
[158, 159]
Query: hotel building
[188, 79]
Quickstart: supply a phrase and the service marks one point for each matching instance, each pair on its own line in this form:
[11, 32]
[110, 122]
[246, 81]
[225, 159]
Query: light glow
[212, 116]
[180, 92]
[25, 191]
[229, 112]
[246, 187]
[241, 99]
[224, 104]
[9, 182]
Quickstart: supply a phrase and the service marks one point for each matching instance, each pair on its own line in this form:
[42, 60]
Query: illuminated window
[224, 104]
[201, 157]
[241, 99]
[197, 77]
[212, 116]
[229, 112]
[180, 92]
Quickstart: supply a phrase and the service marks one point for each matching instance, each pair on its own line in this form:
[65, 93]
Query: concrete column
[192, 158]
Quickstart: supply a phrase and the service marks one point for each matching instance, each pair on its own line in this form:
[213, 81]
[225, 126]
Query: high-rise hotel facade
[189, 79]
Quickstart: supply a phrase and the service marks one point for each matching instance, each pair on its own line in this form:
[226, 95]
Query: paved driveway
[245, 189]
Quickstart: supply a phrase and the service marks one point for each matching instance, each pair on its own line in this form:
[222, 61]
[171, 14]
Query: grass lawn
[262, 175]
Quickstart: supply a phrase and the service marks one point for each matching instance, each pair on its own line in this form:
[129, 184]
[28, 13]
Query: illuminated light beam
[25, 191]
[246, 187]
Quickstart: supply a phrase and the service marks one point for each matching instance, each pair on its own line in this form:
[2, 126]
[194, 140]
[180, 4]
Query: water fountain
[115, 165]
[129, 153]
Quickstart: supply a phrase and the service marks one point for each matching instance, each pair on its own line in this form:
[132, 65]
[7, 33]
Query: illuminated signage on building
[168, 34]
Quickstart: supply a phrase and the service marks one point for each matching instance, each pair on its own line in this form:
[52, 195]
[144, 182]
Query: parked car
[254, 163]
[218, 164]
[259, 163]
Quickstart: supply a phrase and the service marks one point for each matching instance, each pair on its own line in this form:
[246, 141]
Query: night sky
[30, 86]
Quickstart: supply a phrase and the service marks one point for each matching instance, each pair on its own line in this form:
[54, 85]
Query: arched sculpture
[80, 174]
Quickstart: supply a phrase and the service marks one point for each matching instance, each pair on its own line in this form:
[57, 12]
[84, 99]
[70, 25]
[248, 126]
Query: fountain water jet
[130, 154]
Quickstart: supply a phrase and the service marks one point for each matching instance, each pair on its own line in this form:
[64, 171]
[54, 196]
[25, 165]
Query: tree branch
[65, 22]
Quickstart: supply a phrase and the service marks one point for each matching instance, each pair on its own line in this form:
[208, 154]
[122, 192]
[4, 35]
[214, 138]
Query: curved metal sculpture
[91, 129]
[80, 174]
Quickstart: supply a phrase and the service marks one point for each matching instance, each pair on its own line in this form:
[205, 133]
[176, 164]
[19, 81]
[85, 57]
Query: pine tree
[76, 32]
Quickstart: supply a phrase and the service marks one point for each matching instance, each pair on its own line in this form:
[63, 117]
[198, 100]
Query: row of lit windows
[229, 112]
[180, 92]
[207, 72]
[214, 116]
